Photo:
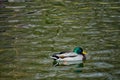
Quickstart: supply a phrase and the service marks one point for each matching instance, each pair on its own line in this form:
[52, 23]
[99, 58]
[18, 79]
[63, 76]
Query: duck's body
[76, 55]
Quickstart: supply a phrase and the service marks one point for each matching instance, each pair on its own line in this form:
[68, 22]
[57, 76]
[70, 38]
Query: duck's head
[79, 50]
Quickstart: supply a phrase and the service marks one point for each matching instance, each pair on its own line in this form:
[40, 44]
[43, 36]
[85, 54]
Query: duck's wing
[76, 58]
[63, 55]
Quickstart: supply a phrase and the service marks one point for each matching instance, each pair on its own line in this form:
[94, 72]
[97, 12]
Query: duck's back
[67, 54]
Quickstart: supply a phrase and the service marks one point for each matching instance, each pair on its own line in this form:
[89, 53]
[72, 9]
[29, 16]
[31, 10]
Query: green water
[32, 31]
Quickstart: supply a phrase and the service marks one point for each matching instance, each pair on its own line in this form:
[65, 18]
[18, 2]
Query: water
[32, 31]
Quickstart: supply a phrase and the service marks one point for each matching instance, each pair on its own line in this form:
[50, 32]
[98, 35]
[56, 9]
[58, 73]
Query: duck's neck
[75, 52]
[84, 57]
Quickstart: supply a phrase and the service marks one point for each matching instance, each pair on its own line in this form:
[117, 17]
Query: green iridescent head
[78, 50]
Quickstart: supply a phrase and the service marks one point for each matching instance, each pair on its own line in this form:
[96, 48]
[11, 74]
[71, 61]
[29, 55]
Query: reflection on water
[32, 31]
[77, 65]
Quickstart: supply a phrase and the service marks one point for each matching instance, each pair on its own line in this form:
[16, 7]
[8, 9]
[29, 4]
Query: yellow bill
[84, 52]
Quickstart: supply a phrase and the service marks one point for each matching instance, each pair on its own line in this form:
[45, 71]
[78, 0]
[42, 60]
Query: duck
[76, 55]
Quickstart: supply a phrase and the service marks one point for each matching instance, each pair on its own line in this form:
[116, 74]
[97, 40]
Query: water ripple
[103, 65]
[97, 74]
[103, 51]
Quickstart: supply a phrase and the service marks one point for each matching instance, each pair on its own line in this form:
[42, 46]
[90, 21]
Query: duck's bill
[84, 52]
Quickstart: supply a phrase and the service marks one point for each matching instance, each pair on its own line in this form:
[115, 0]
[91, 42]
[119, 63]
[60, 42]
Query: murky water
[32, 31]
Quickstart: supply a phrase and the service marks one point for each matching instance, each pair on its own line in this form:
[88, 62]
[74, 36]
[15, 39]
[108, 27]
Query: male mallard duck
[75, 55]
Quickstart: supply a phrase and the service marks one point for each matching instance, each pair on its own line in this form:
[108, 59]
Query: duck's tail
[54, 57]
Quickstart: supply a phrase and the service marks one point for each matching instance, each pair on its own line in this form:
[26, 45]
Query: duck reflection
[78, 65]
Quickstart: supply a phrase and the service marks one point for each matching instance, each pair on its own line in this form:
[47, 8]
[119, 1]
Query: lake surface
[32, 31]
